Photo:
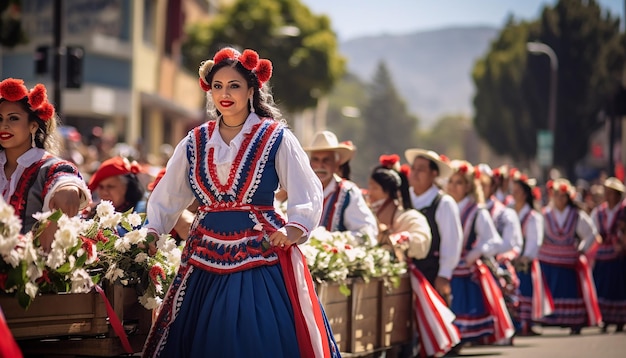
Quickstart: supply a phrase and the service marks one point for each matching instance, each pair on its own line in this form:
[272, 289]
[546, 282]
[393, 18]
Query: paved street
[557, 343]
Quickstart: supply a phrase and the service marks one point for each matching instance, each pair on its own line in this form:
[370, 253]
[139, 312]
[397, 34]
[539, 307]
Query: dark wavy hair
[44, 137]
[262, 99]
[394, 183]
[134, 192]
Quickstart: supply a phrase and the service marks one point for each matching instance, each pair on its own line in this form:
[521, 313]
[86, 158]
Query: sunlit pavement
[557, 343]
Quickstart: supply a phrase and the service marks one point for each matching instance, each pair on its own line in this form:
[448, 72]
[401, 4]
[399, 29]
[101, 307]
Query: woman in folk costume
[406, 232]
[243, 288]
[609, 271]
[33, 179]
[535, 300]
[569, 234]
[477, 301]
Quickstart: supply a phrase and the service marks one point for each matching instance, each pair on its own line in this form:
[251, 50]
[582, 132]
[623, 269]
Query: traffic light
[74, 67]
[41, 60]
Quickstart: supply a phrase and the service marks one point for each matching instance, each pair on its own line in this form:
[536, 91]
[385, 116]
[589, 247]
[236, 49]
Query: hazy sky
[355, 18]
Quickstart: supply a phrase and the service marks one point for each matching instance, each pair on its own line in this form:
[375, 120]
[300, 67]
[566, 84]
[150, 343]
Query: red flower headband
[390, 161]
[14, 90]
[249, 59]
[405, 169]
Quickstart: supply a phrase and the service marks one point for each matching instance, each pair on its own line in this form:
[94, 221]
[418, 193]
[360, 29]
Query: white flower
[113, 273]
[122, 244]
[141, 257]
[42, 216]
[56, 257]
[111, 221]
[31, 289]
[9, 250]
[34, 272]
[134, 219]
[150, 302]
[166, 243]
[81, 281]
[105, 209]
[136, 236]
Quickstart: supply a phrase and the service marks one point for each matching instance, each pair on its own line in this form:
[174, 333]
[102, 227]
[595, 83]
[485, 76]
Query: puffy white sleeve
[172, 195]
[451, 235]
[586, 231]
[304, 189]
[488, 241]
[512, 232]
[533, 236]
[414, 225]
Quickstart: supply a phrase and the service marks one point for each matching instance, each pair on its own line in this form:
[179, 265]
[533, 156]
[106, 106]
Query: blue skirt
[525, 296]
[472, 317]
[569, 307]
[610, 279]
[242, 314]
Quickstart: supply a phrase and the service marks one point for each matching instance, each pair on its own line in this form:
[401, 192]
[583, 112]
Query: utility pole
[57, 21]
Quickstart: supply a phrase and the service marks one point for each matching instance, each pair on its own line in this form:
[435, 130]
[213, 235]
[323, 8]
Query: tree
[511, 101]
[447, 136]
[502, 117]
[301, 46]
[389, 128]
[11, 33]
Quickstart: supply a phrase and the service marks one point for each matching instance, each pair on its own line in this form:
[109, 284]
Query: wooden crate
[374, 317]
[396, 314]
[77, 324]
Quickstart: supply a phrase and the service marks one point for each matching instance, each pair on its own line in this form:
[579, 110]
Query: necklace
[229, 126]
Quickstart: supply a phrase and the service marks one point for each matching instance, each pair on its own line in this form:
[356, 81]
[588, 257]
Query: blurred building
[122, 66]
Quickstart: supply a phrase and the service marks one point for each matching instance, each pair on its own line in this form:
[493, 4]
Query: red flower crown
[391, 161]
[14, 90]
[249, 59]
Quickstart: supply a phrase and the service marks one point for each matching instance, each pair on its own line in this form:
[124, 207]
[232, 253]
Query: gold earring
[251, 105]
[32, 136]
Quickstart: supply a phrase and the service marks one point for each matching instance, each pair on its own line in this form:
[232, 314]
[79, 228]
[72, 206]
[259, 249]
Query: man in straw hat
[609, 272]
[345, 208]
[443, 217]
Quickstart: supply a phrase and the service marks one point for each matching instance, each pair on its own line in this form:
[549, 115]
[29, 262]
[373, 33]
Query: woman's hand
[66, 199]
[285, 236]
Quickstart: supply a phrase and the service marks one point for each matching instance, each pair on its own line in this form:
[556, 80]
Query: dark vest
[429, 266]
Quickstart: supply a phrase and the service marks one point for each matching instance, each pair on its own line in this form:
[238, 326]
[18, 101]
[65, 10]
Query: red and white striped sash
[310, 329]
[503, 326]
[433, 318]
[542, 302]
[588, 289]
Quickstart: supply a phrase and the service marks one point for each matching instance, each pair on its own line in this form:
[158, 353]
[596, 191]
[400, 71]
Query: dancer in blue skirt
[609, 271]
[569, 234]
[243, 288]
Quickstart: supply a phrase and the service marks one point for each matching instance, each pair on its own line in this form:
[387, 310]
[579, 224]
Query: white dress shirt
[505, 219]
[449, 226]
[585, 227]
[533, 232]
[357, 218]
[33, 155]
[488, 241]
[174, 194]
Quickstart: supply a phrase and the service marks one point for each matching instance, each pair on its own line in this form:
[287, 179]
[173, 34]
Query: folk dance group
[483, 262]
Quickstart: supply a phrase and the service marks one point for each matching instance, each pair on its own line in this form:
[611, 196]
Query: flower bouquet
[339, 257]
[82, 254]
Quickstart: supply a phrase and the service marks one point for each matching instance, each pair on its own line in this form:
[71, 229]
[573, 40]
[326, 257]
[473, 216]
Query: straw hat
[327, 141]
[615, 184]
[441, 161]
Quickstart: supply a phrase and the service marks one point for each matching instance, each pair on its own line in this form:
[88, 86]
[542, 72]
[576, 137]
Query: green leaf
[24, 300]
[343, 288]
[64, 269]
[81, 260]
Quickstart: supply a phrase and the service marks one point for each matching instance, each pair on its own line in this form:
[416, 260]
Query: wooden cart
[77, 324]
